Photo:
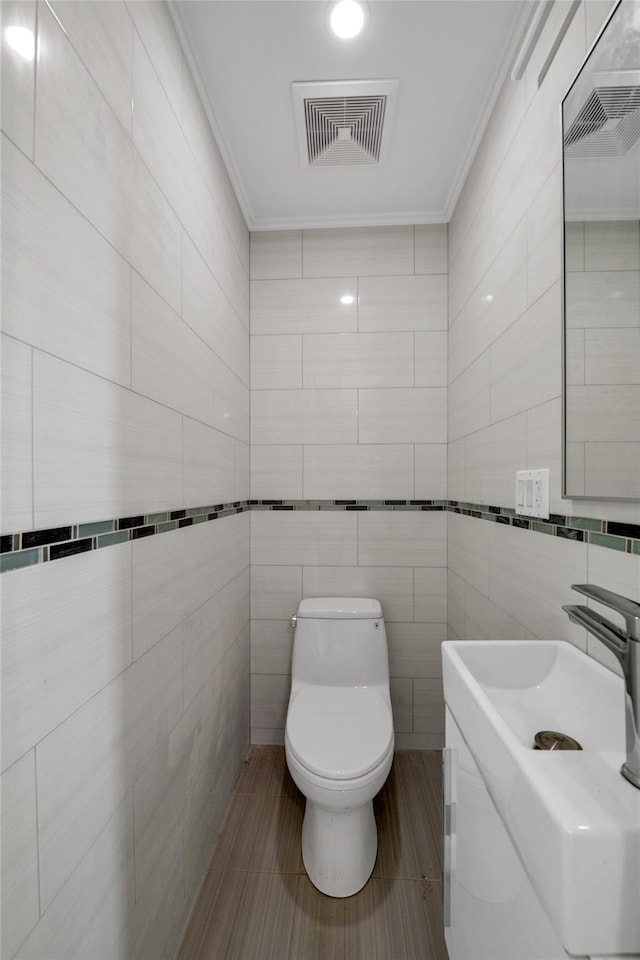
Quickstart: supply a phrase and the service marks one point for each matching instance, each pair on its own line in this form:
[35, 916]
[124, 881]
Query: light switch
[532, 493]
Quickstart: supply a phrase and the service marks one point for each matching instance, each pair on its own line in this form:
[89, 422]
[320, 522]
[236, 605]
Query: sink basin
[573, 818]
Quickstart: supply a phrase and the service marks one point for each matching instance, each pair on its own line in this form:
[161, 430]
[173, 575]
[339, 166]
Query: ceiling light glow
[347, 299]
[347, 19]
[22, 40]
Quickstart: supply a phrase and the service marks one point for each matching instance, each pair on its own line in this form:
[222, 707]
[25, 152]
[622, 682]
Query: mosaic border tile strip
[19, 550]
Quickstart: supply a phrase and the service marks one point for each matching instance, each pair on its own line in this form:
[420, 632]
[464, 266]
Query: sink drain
[552, 740]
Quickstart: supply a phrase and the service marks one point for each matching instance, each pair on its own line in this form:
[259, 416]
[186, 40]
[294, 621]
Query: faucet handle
[629, 609]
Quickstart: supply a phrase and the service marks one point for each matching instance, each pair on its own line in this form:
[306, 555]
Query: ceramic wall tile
[358, 360]
[603, 298]
[428, 707]
[414, 649]
[613, 570]
[18, 78]
[544, 258]
[455, 469]
[102, 451]
[276, 254]
[269, 702]
[392, 586]
[358, 251]
[276, 362]
[194, 564]
[16, 419]
[304, 537]
[468, 550]
[209, 313]
[612, 245]
[154, 26]
[304, 416]
[491, 458]
[82, 605]
[276, 472]
[530, 577]
[358, 471]
[455, 606]
[88, 764]
[412, 415]
[402, 303]
[304, 306]
[430, 594]
[401, 690]
[601, 412]
[469, 399]
[20, 891]
[169, 363]
[608, 467]
[430, 471]
[544, 447]
[574, 246]
[431, 359]
[612, 356]
[65, 289]
[230, 402]
[89, 916]
[485, 620]
[81, 145]
[400, 539]
[501, 296]
[102, 35]
[431, 240]
[276, 591]
[209, 465]
[271, 646]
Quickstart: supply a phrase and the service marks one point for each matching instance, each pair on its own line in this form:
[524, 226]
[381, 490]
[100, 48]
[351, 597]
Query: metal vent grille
[344, 129]
[607, 125]
[343, 122]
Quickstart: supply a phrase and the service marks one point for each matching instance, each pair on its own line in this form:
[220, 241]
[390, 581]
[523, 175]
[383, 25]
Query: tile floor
[257, 902]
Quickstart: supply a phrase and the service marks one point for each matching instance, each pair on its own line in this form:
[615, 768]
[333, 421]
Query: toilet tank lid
[340, 608]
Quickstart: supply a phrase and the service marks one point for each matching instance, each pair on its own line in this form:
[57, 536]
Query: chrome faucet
[626, 647]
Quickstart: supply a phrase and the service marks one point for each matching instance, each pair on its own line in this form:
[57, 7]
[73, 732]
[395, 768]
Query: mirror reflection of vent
[343, 122]
[607, 125]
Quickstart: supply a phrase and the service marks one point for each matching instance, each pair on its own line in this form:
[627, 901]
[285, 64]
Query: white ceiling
[449, 56]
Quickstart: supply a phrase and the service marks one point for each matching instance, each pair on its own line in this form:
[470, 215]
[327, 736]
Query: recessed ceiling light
[347, 299]
[347, 18]
[22, 40]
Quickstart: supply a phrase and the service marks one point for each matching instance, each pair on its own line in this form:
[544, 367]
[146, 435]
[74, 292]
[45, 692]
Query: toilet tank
[340, 641]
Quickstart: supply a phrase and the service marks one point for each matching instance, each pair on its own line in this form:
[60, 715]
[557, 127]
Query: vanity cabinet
[491, 911]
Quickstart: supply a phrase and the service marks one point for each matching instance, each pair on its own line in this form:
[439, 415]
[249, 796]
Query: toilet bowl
[339, 736]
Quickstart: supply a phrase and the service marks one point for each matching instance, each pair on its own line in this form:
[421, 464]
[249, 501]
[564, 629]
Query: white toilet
[339, 736]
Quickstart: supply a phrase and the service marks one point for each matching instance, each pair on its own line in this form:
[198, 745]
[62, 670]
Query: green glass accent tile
[585, 523]
[331, 506]
[542, 528]
[635, 547]
[108, 539]
[19, 559]
[508, 511]
[195, 511]
[94, 529]
[201, 518]
[256, 506]
[167, 526]
[157, 517]
[605, 540]
[309, 506]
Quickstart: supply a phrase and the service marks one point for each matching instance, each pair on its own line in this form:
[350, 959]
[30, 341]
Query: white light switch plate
[532, 493]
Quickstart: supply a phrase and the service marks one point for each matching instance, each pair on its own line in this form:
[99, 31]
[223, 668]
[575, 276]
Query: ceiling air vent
[608, 123]
[342, 123]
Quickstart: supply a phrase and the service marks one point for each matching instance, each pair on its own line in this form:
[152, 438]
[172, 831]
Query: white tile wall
[348, 402]
[505, 235]
[126, 343]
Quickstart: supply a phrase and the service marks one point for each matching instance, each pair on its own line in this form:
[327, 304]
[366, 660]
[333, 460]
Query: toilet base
[339, 849]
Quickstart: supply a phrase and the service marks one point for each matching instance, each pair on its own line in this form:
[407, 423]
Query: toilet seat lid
[339, 732]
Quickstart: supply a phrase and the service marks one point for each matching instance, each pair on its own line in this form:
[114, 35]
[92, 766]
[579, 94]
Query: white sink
[573, 818]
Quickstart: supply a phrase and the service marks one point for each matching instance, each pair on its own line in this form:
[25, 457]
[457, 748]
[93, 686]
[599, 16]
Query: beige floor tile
[387, 920]
[242, 916]
[409, 839]
[261, 833]
[416, 776]
[265, 772]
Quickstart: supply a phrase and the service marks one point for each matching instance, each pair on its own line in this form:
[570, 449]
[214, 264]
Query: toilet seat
[339, 733]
